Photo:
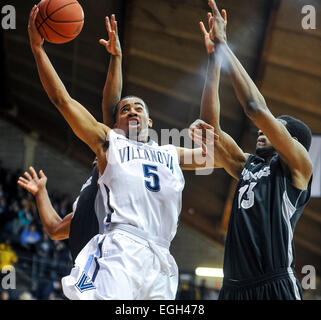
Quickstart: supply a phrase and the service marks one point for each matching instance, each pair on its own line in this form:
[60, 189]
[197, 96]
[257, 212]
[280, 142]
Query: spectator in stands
[8, 256]
[203, 289]
[211, 294]
[44, 250]
[30, 237]
[188, 291]
[3, 210]
[4, 295]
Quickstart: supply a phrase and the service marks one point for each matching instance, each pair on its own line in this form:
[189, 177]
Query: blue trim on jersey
[99, 254]
[88, 264]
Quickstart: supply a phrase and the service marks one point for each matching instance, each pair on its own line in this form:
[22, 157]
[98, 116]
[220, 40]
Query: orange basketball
[59, 21]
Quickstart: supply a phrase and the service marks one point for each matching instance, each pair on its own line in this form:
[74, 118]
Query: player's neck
[268, 158]
[142, 136]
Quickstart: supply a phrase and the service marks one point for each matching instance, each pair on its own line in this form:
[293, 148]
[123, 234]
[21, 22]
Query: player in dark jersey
[273, 185]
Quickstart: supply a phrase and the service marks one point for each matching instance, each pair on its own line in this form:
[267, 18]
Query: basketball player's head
[297, 129]
[131, 115]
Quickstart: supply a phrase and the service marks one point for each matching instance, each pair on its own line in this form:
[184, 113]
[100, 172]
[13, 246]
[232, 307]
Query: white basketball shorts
[121, 265]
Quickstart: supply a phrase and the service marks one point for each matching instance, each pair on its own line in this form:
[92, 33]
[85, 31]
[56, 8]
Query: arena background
[164, 62]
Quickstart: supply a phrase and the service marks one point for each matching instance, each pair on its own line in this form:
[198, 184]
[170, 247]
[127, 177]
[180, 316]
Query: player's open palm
[33, 183]
[113, 44]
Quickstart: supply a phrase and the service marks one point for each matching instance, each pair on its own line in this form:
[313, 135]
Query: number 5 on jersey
[152, 181]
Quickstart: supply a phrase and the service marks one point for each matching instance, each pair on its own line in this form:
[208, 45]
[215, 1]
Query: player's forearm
[112, 89]
[210, 104]
[48, 216]
[49, 78]
[245, 89]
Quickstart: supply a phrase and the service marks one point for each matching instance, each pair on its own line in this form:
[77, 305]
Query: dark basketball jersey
[84, 223]
[265, 210]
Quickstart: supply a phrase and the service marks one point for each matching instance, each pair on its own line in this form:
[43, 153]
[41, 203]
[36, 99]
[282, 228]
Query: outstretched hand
[217, 27]
[33, 183]
[203, 134]
[34, 35]
[113, 44]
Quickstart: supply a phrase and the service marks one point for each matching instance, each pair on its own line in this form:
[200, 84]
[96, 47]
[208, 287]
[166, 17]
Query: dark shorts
[273, 286]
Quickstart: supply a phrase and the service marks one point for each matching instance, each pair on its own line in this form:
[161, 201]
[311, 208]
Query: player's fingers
[114, 23]
[108, 27]
[23, 180]
[197, 137]
[33, 173]
[22, 183]
[204, 149]
[41, 174]
[31, 15]
[203, 29]
[224, 15]
[214, 7]
[203, 125]
[28, 176]
[35, 14]
[211, 22]
[103, 42]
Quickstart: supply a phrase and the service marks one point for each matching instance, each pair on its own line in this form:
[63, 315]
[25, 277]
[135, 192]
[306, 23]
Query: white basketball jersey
[142, 185]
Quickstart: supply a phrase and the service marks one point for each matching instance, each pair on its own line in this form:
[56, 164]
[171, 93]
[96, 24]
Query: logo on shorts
[84, 283]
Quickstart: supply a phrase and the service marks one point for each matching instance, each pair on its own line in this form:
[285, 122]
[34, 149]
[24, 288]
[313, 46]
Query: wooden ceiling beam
[292, 102]
[312, 215]
[285, 64]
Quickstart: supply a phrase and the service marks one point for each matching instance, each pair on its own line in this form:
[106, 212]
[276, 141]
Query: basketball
[59, 21]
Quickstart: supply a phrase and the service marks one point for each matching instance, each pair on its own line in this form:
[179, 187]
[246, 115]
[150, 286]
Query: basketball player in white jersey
[142, 184]
[89, 216]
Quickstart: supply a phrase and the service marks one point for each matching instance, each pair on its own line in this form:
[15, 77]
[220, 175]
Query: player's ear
[150, 123]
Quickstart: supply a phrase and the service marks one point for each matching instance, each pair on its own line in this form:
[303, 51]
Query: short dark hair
[127, 97]
[298, 129]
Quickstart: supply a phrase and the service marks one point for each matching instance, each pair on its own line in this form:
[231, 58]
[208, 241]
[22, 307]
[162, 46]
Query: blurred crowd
[25, 245]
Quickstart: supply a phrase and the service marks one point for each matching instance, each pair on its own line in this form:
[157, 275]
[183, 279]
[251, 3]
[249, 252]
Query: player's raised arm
[80, 120]
[114, 81]
[228, 154]
[294, 155]
[57, 228]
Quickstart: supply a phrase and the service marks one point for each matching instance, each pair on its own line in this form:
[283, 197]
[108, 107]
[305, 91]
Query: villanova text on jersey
[130, 153]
